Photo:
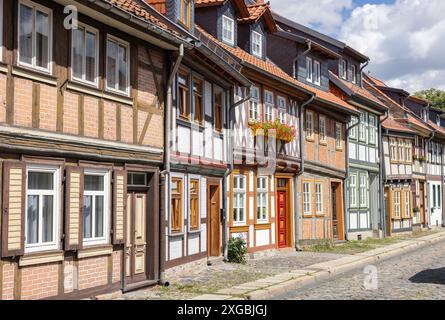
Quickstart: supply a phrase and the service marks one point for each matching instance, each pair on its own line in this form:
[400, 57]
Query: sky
[405, 39]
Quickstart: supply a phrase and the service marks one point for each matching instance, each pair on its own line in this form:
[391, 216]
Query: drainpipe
[345, 190]
[296, 217]
[361, 73]
[429, 198]
[229, 170]
[166, 172]
[382, 176]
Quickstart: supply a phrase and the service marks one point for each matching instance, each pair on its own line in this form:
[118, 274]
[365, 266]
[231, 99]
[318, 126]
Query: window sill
[323, 143]
[194, 231]
[95, 251]
[263, 225]
[35, 75]
[3, 68]
[176, 234]
[87, 89]
[310, 139]
[40, 258]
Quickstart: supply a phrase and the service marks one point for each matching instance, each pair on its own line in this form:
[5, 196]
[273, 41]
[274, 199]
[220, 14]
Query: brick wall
[39, 282]
[48, 108]
[22, 102]
[8, 281]
[93, 272]
[117, 256]
[2, 97]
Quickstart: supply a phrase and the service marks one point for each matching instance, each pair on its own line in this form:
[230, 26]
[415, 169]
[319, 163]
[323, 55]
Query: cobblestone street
[417, 275]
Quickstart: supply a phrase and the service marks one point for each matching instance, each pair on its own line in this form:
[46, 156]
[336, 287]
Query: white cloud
[327, 15]
[404, 41]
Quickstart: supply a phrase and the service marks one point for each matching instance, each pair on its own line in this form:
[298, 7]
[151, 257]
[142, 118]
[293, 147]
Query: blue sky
[405, 39]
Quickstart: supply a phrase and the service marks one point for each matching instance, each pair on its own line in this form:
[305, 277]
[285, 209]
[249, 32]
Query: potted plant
[283, 132]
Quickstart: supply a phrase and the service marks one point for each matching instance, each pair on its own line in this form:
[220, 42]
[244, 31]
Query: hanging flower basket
[284, 133]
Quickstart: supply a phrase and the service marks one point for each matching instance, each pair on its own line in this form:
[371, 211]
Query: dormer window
[309, 73]
[424, 115]
[343, 69]
[438, 120]
[317, 73]
[257, 44]
[354, 74]
[228, 34]
[184, 12]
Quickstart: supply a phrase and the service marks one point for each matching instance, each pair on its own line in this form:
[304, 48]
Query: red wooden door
[282, 228]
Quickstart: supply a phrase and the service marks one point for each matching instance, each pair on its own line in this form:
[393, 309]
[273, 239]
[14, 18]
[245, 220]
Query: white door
[436, 203]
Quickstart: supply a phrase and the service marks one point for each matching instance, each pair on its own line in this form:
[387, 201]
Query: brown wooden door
[334, 212]
[422, 202]
[215, 222]
[282, 214]
[136, 244]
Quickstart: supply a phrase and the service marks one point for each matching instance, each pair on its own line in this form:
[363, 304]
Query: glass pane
[138, 179]
[78, 49]
[90, 59]
[94, 183]
[87, 217]
[99, 227]
[40, 181]
[42, 39]
[32, 235]
[47, 218]
[25, 34]
[111, 64]
[122, 68]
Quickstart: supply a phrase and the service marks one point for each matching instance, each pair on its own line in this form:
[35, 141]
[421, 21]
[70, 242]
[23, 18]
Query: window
[307, 198]
[401, 151]
[363, 190]
[218, 111]
[397, 202]
[95, 207]
[362, 127]
[434, 197]
[317, 73]
[239, 200]
[438, 120]
[322, 129]
[194, 205]
[42, 203]
[338, 136]
[319, 198]
[269, 105]
[254, 104]
[35, 36]
[84, 54]
[261, 203]
[372, 129]
[184, 95]
[353, 191]
[343, 69]
[257, 44]
[184, 13]
[439, 196]
[137, 179]
[393, 149]
[353, 131]
[282, 109]
[309, 71]
[407, 204]
[408, 151]
[228, 34]
[309, 125]
[118, 67]
[354, 74]
[176, 205]
[197, 99]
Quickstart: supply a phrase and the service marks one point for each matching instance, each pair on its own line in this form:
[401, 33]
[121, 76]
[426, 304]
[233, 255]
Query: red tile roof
[257, 11]
[376, 81]
[239, 5]
[439, 129]
[274, 70]
[396, 125]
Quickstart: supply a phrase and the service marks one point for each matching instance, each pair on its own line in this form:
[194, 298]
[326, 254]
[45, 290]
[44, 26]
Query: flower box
[283, 132]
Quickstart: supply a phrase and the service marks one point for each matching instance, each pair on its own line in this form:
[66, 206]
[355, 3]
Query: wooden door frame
[213, 182]
[289, 209]
[338, 184]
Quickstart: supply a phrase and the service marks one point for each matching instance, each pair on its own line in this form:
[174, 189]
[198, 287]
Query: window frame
[218, 111]
[87, 28]
[49, 12]
[262, 190]
[397, 203]
[125, 44]
[307, 198]
[282, 109]
[408, 151]
[107, 207]
[181, 89]
[400, 150]
[362, 130]
[194, 197]
[338, 136]
[309, 70]
[372, 129]
[344, 64]
[310, 136]
[269, 104]
[353, 190]
[363, 187]
[186, 23]
[56, 193]
[230, 41]
[258, 36]
[354, 74]
[353, 131]
[254, 103]
[319, 198]
[237, 192]
[198, 117]
[179, 196]
[393, 150]
[322, 129]
[407, 203]
[317, 73]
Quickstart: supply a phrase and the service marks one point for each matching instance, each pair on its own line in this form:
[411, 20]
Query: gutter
[166, 172]
[301, 172]
[361, 73]
[382, 175]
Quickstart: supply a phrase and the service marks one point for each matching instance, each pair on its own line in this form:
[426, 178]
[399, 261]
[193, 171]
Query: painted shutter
[13, 214]
[391, 208]
[73, 208]
[411, 213]
[119, 206]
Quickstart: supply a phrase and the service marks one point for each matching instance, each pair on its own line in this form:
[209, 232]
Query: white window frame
[254, 104]
[309, 70]
[269, 105]
[344, 75]
[95, 83]
[372, 129]
[226, 21]
[407, 203]
[363, 188]
[397, 203]
[338, 136]
[309, 125]
[354, 74]
[317, 72]
[307, 198]
[263, 189]
[408, 151]
[107, 207]
[362, 127]
[282, 109]
[54, 245]
[49, 12]
[353, 190]
[237, 194]
[319, 198]
[353, 131]
[393, 149]
[125, 44]
[322, 128]
[401, 150]
[257, 36]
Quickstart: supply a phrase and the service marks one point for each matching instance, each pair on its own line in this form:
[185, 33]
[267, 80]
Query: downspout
[302, 135]
[382, 176]
[345, 190]
[229, 171]
[361, 73]
[166, 172]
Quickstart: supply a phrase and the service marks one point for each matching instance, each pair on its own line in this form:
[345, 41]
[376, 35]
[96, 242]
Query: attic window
[184, 12]
[438, 120]
[257, 44]
[228, 30]
[354, 74]
[343, 69]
